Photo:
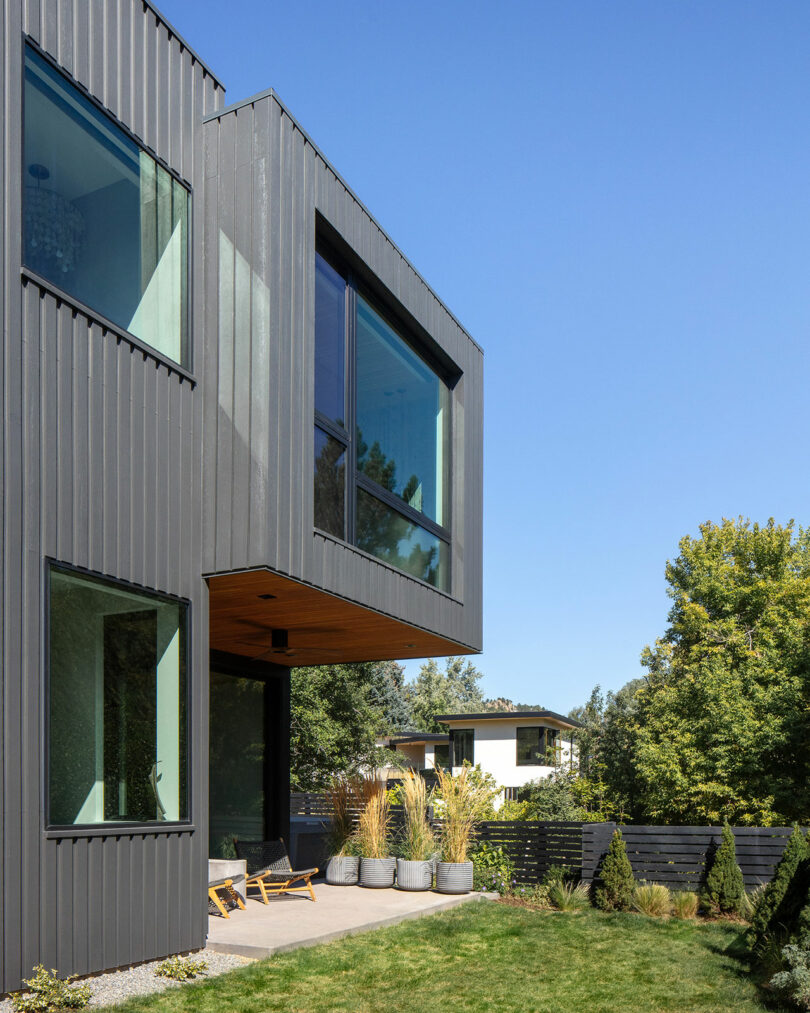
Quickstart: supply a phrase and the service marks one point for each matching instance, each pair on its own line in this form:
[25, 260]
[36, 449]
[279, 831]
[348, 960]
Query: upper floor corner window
[537, 747]
[117, 703]
[382, 433]
[102, 219]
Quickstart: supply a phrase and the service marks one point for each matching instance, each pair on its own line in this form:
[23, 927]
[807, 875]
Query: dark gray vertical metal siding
[269, 181]
[102, 468]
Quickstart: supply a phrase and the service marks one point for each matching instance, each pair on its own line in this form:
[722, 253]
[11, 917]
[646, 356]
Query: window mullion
[351, 409]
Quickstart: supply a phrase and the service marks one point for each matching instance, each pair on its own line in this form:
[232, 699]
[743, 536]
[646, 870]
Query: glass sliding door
[237, 743]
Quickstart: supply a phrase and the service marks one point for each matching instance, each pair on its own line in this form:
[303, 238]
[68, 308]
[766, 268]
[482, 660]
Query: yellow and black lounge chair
[269, 869]
[226, 886]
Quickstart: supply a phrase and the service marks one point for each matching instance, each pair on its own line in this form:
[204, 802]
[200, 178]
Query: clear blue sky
[614, 199]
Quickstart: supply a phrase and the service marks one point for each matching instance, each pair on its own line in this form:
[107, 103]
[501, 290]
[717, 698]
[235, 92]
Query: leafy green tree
[336, 714]
[454, 691]
[724, 892]
[721, 726]
[605, 745]
[774, 893]
[616, 891]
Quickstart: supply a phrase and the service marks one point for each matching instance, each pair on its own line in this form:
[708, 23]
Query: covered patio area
[292, 921]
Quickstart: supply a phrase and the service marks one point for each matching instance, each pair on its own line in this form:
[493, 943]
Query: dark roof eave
[505, 715]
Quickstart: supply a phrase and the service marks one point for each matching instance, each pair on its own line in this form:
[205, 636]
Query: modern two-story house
[239, 433]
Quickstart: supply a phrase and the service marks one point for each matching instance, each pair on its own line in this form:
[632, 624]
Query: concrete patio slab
[292, 921]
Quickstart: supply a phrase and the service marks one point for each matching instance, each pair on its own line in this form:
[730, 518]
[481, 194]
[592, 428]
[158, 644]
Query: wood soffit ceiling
[322, 629]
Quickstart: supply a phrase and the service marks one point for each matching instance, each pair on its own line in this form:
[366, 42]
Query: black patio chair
[269, 869]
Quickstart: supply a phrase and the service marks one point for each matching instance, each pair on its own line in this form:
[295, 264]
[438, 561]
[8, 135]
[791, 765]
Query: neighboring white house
[420, 750]
[514, 746]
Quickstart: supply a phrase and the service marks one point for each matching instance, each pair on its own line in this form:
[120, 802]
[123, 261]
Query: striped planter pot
[342, 870]
[377, 872]
[414, 875]
[454, 877]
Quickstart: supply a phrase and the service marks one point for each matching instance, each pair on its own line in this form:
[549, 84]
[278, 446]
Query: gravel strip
[116, 987]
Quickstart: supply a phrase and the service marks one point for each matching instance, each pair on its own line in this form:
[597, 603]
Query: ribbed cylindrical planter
[342, 870]
[454, 877]
[414, 875]
[377, 872]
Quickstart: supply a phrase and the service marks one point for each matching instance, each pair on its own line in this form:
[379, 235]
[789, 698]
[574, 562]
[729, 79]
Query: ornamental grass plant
[569, 896]
[373, 825]
[685, 904]
[417, 842]
[652, 899]
[467, 799]
[346, 796]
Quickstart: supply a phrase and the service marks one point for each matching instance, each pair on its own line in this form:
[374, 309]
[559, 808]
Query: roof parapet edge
[271, 93]
[170, 27]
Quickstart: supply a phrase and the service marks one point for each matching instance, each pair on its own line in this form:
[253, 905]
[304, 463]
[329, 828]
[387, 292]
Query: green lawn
[493, 957]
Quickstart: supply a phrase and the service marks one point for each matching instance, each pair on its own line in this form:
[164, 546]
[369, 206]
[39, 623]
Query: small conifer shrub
[774, 893]
[724, 892]
[616, 891]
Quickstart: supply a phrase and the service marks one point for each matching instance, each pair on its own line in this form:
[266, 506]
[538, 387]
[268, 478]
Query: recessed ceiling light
[266, 597]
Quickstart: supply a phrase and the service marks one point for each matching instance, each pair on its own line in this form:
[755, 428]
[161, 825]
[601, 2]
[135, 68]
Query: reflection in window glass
[330, 484]
[461, 746]
[102, 220]
[330, 341]
[530, 747]
[117, 704]
[402, 415]
[236, 806]
[441, 756]
[389, 536]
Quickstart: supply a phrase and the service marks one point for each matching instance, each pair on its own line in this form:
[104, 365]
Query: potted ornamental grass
[466, 799]
[344, 795]
[377, 865]
[417, 842]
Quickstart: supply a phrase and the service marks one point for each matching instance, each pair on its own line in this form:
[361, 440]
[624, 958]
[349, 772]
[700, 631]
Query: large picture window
[102, 219]
[117, 704]
[382, 432]
[538, 747]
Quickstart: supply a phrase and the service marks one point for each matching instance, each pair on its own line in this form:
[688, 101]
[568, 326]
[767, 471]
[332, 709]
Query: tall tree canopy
[453, 691]
[722, 726]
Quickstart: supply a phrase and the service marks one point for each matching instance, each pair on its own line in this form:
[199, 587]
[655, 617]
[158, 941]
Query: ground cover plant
[47, 993]
[491, 957]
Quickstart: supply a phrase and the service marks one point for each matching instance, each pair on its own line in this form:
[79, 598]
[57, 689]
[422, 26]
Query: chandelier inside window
[54, 226]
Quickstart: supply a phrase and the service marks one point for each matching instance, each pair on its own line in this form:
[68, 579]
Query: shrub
[181, 968]
[771, 898]
[616, 891]
[47, 993]
[724, 892]
[492, 869]
[568, 896]
[685, 904]
[794, 983]
[559, 874]
[652, 899]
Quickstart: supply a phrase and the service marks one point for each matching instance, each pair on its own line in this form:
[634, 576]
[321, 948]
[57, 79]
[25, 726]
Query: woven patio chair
[269, 869]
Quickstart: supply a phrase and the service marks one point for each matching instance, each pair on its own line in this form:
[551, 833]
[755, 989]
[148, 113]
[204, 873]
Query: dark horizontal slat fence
[533, 846]
[675, 856]
[678, 856]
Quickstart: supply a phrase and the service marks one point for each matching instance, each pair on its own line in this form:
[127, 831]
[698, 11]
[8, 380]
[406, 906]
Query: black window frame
[343, 435]
[548, 740]
[113, 827]
[456, 761]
